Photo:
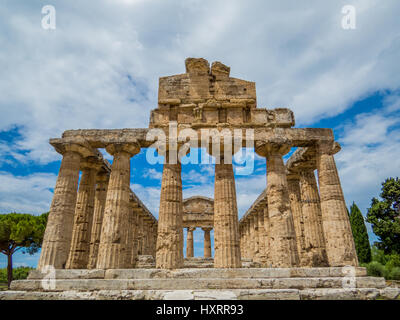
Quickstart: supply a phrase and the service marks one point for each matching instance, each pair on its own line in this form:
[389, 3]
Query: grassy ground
[3, 286]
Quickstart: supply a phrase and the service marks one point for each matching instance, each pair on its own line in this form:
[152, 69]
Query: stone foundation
[202, 283]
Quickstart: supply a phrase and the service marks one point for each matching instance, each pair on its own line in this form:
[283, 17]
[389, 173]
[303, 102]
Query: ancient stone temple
[294, 242]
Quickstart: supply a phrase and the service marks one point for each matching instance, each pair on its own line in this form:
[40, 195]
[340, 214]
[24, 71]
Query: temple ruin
[296, 229]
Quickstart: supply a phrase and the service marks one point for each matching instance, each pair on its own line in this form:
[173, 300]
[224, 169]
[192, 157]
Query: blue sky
[100, 67]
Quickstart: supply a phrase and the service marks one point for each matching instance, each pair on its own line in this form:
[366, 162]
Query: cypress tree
[360, 234]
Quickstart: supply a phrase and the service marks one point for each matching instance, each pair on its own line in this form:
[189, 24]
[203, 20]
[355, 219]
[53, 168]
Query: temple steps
[243, 294]
[202, 283]
[198, 284]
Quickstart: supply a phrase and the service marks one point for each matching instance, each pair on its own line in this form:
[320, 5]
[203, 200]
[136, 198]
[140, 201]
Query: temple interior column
[99, 204]
[169, 253]
[113, 246]
[282, 242]
[262, 239]
[207, 242]
[226, 224]
[81, 233]
[58, 234]
[339, 240]
[189, 243]
[314, 242]
[267, 234]
[293, 180]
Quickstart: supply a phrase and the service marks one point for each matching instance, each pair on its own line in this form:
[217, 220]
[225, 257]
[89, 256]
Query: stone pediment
[207, 96]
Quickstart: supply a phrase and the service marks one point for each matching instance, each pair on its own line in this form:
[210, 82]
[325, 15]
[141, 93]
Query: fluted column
[339, 240]
[207, 242]
[296, 206]
[226, 224]
[81, 233]
[113, 240]
[262, 255]
[313, 233]
[267, 235]
[136, 233]
[140, 233]
[189, 243]
[169, 253]
[283, 247]
[99, 204]
[248, 239]
[58, 234]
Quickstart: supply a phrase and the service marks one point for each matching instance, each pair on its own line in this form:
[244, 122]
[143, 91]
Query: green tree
[360, 234]
[384, 215]
[20, 232]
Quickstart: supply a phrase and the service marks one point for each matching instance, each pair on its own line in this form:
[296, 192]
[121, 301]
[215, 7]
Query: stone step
[197, 284]
[194, 273]
[241, 294]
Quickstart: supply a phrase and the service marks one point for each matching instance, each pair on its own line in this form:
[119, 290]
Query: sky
[99, 68]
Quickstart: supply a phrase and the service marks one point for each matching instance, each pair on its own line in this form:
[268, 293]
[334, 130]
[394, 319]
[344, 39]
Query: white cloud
[26, 194]
[152, 174]
[99, 68]
[370, 154]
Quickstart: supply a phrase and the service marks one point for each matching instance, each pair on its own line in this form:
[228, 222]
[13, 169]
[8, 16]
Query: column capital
[278, 147]
[191, 229]
[207, 229]
[330, 148]
[130, 148]
[79, 146]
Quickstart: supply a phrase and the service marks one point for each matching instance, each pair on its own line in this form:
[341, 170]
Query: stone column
[136, 233]
[314, 242]
[226, 224]
[256, 237]
[140, 232]
[99, 204]
[207, 242]
[262, 239]
[339, 240]
[81, 233]
[189, 242]
[57, 237]
[248, 239]
[283, 247]
[295, 204]
[113, 246]
[169, 253]
[267, 234]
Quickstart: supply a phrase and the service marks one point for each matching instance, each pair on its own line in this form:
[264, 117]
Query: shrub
[19, 273]
[395, 274]
[375, 269]
[394, 261]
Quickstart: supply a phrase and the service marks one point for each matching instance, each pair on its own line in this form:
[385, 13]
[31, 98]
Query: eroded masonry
[295, 222]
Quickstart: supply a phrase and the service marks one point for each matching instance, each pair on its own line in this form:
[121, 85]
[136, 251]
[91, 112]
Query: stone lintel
[296, 137]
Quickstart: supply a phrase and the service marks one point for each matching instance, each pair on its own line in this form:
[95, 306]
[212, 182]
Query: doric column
[226, 224]
[339, 240]
[136, 232]
[267, 235]
[99, 204]
[113, 246]
[57, 237]
[81, 233]
[262, 239]
[256, 238]
[293, 180]
[248, 239]
[140, 232]
[314, 242]
[189, 242]
[283, 247]
[207, 242]
[169, 253]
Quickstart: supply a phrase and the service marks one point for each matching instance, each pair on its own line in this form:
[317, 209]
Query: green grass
[3, 286]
